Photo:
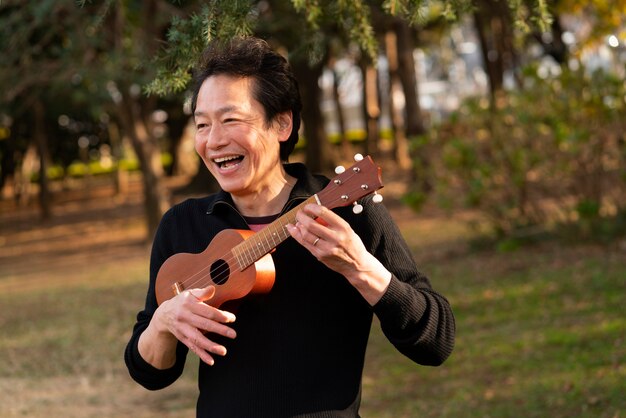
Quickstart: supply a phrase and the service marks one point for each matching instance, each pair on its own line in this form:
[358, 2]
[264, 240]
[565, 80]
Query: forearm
[157, 347]
[371, 279]
[418, 321]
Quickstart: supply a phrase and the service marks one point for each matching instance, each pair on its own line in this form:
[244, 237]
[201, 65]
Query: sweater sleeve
[141, 371]
[417, 320]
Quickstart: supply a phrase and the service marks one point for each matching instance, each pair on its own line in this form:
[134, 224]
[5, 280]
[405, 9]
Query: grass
[541, 333]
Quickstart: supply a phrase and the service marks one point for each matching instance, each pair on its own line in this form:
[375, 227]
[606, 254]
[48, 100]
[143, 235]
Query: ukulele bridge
[177, 288]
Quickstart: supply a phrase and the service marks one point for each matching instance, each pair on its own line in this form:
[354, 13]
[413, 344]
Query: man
[299, 349]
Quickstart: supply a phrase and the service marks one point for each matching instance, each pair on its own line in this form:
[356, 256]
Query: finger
[212, 313]
[301, 234]
[312, 230]
[202, 354]
[212, 326]
[207, 311]
[295, 232]
[324, 216]
[203, 294]
[204, 347]
[208, 345]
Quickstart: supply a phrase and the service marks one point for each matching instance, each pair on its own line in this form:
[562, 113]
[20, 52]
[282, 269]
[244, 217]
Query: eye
[201, 125]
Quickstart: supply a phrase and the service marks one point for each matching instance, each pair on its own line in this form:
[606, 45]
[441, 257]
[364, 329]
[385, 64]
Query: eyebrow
[220, 111]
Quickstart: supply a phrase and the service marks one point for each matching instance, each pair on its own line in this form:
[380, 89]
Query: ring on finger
[316, 241]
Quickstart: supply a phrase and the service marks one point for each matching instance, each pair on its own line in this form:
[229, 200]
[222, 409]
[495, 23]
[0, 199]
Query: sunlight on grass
[539, 336]
[541, 333]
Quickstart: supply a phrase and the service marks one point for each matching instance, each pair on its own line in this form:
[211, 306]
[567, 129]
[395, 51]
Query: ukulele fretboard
[268, 238]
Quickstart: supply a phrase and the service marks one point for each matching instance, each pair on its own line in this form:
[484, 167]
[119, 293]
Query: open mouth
[227, 162]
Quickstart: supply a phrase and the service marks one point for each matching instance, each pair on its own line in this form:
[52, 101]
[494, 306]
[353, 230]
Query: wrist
[371, 281]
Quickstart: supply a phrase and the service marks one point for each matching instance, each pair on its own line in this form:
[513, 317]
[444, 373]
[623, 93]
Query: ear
[285, 125]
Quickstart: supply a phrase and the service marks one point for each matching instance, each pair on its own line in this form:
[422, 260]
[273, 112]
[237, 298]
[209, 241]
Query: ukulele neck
[268, 238]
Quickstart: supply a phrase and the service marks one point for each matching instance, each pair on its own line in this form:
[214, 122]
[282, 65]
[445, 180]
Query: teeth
[224, 159]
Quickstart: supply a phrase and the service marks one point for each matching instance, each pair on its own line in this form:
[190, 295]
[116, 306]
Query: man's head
[274, 86]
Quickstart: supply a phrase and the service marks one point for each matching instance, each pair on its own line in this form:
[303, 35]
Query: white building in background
[453, 70]
[445, 76]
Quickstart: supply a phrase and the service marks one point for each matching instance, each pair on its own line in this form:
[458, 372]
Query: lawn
[540, 331]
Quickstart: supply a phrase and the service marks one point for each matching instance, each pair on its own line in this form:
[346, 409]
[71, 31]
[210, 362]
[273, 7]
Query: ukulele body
[238, 262]
[216, 266]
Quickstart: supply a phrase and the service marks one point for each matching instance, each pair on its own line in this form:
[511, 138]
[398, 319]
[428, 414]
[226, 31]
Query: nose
[210, 138]
[215, 138]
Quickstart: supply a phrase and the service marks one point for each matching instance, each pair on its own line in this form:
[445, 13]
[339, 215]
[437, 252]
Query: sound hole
[220, 272]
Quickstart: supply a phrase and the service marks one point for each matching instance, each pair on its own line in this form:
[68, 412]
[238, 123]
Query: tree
[104, 52]
[96, 54]
[304, 26]
[33, 59]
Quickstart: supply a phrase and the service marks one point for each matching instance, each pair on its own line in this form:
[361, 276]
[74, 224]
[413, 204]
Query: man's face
[232, 138]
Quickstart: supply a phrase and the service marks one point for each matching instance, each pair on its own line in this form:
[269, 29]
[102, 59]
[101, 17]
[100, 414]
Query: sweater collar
[306, 185]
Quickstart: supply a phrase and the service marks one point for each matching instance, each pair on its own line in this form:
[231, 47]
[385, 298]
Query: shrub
[552, 153]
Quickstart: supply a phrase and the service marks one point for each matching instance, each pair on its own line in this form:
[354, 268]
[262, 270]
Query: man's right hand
[185, 318]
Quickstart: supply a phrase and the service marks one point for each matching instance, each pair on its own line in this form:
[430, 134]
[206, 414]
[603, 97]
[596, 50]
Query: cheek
[199, 145]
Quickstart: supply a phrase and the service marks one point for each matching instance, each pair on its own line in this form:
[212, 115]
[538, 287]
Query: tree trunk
[346, 147]
[148, 153]
[400, 143]
[414, 122]
[554, 45]
[133, 116]
[371, 106]
[42, 149]
[317, 155]
[7, 167]
[120, 180]
[493, 25]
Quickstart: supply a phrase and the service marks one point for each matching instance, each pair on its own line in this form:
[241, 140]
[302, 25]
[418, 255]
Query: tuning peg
[339, 169]
[377, 198]
[358, 157]
[357, 208]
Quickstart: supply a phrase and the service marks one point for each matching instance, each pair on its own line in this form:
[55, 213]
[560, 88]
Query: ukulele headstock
[359, 180]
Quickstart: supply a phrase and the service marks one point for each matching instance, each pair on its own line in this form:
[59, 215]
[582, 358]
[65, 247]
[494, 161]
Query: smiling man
[299, 349]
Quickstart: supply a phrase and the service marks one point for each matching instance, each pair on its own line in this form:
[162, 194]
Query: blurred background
[500, 126]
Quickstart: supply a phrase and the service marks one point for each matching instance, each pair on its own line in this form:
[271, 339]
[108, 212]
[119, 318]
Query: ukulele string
[222, 276]
[220, 279]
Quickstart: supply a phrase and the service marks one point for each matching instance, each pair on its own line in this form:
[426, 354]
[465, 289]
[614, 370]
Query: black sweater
[300, 348]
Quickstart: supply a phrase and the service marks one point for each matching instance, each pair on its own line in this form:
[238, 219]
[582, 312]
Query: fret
[267, 243]
[254, 246]
[237, 255]
[274, 235]
[264, 241]
[346, 188]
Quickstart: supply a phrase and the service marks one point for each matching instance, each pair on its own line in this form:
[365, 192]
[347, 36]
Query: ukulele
[238, 263]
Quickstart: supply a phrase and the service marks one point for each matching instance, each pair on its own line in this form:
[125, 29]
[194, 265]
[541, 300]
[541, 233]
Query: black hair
[275, 86]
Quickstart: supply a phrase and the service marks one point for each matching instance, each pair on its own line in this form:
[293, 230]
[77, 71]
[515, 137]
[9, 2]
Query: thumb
[205, 293]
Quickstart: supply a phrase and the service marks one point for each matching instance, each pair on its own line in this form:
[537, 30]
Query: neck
[268, 238]
[266, 201]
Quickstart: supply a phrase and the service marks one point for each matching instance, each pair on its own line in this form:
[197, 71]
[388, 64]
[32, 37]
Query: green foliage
[322, 20]
[531, 14]
[548, 155]
[187, 37]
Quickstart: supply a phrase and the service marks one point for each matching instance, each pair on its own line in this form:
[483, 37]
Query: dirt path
[91, 226]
